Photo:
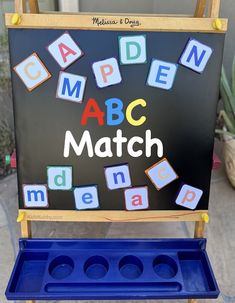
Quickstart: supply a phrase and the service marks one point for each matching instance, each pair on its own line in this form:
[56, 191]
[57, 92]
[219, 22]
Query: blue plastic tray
[111, 269]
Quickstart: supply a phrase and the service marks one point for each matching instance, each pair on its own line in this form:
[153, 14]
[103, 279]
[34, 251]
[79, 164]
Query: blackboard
[183, 117]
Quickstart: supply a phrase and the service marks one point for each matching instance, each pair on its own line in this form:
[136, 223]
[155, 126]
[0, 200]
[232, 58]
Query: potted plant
[227, 122]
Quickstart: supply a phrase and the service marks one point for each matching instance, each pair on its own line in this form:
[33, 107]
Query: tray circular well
[130, 267]
[61, 267]
[165, 267]
[96, 267]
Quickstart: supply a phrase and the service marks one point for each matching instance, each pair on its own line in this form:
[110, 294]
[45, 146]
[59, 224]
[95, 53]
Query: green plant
[6, 144]
[227, 92]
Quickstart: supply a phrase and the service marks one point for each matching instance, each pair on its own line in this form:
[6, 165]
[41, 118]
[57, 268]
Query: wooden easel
[196, 22]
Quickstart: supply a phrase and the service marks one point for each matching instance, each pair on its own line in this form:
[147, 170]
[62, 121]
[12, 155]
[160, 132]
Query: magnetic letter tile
[161, 174]
[132, 49]
[162, 74]
[59, 177]
[196, 55]
[32, 72]
[189, 196]
[117, 176]
[107, 72]
[136, 198]
[65, 51]
[86, 197]
[71, 87]
[35, 195]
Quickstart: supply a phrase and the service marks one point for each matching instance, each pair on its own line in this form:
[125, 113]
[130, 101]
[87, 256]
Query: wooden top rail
[101, 21]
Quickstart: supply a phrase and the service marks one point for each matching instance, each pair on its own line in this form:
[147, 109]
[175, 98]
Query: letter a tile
[65, 51]
[161, 174]
[136, 198]
[32, 72]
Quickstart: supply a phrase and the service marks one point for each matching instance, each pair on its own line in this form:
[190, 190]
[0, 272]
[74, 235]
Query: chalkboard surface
[183, 117]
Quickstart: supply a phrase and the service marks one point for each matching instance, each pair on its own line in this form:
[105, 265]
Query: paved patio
[220, 233]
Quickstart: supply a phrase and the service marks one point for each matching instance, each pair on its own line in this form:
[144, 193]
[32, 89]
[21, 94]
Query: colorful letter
[35, 195]
[162, 74]
[71, 87]
[189, 196]
[65, 51]
[107, 72]
[132, 49]
[114, 111]
[117, 176]
[32, 72]
[59, 177]
[96, 113]
[129, 110]
[136, 198]
[161, 174]
[86, 197]
[196, 55]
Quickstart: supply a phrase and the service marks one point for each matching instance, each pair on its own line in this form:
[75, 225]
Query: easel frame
[149, 22]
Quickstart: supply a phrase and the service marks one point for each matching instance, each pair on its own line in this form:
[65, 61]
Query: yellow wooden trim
[200, 8]
[112, 216]
[80, 21]
[214, 8]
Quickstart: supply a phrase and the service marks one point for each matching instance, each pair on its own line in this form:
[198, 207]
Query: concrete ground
[220, 233]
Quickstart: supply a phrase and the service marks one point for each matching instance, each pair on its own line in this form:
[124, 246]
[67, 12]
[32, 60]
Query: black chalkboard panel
[183, 118]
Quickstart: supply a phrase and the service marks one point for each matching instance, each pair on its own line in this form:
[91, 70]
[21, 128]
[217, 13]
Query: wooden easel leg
[26, 231]
[200, 8]
[20, 6]
[199, 231]
[214, 8]
[33, 7]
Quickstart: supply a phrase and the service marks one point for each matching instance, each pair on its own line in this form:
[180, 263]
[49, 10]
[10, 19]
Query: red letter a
[96, 113]
[65, 51]
[136, 200]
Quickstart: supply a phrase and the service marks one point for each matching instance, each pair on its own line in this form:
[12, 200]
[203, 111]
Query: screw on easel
[217, 24]
[205, 217]
[15, 19]
[20, 217]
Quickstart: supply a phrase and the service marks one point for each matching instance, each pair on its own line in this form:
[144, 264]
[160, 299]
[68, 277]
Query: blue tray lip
[201, 242]
[173, 295]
